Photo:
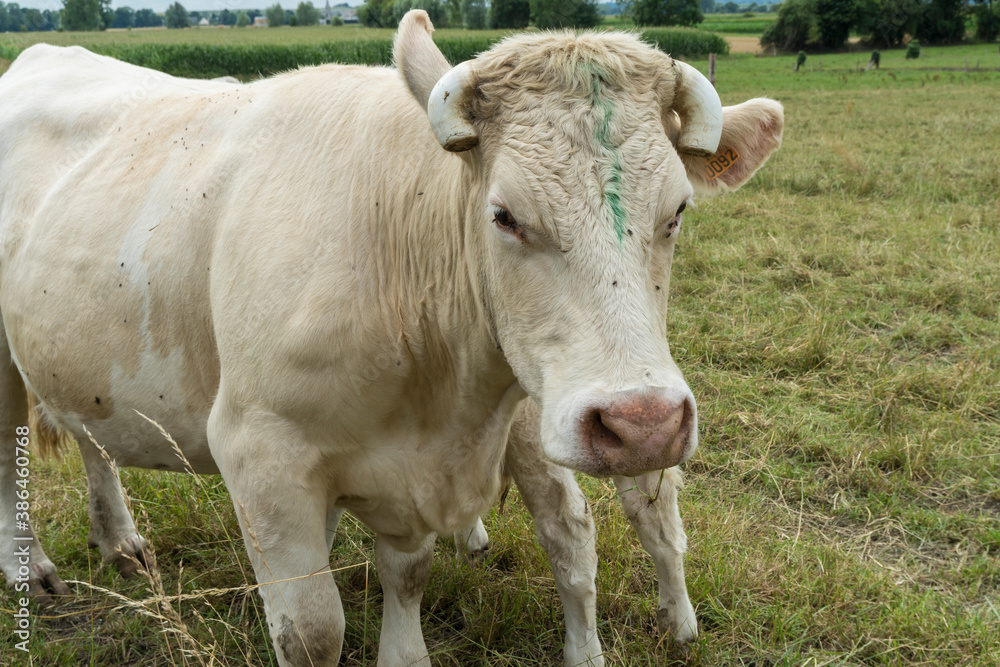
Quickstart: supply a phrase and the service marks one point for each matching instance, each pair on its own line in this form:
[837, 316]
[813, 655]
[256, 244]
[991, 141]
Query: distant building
[260, 22]
[203, 22]
[347, 14]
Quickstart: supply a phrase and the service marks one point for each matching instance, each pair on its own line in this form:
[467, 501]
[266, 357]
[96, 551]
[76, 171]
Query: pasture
[838, 320]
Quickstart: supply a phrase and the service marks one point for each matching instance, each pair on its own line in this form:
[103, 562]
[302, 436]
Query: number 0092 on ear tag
[720, 162]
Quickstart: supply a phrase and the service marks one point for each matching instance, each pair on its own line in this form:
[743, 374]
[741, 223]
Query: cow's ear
[417, 58]
[750, 133]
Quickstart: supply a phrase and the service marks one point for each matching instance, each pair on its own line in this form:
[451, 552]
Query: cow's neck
[426, 258]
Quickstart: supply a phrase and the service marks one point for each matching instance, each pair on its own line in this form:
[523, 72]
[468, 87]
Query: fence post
[711, 68]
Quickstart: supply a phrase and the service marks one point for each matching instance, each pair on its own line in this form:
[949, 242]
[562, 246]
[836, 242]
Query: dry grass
[839, 322]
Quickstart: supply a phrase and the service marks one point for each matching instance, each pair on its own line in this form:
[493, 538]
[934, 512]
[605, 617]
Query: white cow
[336, 285]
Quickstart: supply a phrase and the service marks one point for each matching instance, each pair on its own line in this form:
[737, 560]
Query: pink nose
[636, 433]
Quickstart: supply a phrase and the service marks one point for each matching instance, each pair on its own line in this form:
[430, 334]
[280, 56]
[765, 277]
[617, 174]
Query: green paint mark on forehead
[605, 110]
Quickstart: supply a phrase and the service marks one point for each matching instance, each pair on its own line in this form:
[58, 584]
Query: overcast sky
[193, 5]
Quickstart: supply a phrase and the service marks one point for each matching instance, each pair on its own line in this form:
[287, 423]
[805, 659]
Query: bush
[800, 60]
[686, 42]
[337, 20]
[876, 58]
[913, 49]
[510, 14]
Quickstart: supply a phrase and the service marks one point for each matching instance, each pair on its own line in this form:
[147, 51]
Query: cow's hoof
[678, 621]
[131, 557]
[45, 586]
[477, 555]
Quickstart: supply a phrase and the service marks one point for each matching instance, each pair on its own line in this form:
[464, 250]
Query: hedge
[251, 61]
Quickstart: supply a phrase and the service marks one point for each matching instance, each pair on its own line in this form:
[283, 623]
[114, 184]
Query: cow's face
[583, 173]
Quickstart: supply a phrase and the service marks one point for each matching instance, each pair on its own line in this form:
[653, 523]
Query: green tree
[77, 15]
[124, 18]
[665, 12]
[888, 22]
[147, 18]
[437, 10]
[510, 14]
[107, 14]
[242, 20]
[941, 22]
[834, 20]
[454, 8]
[794, 28]
[987, 21]
[548, 14]
[177, 16]
[275, 16]
[707, 6]
[227, 17]
[307, 14]
[474, 14]
[376, 14]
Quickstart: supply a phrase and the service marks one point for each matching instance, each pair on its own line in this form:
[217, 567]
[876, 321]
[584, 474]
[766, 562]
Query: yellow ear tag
[720, 162]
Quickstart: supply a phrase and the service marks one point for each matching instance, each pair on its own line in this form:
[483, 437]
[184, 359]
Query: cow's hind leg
[281, 503]
[473, 542]
[650, 502]
[403, 577]
[565, 529]
[112, 528]
[22, 559]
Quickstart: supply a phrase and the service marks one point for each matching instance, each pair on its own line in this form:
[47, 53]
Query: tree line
[827, 24]
[543, 14]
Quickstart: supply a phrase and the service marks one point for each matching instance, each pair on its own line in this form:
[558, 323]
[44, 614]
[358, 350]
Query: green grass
[737, 24]
[838, 320]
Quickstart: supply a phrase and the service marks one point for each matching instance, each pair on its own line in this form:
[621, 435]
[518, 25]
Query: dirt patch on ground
[743, 44]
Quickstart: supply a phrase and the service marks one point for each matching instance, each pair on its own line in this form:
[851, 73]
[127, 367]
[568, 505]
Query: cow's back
[142, 215]
[105, 245]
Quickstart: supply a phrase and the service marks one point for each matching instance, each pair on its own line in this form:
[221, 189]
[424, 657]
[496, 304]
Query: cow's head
[585, 150]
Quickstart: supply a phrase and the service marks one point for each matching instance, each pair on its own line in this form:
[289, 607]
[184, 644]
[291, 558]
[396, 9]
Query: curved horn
[445, 108]
[700, 111]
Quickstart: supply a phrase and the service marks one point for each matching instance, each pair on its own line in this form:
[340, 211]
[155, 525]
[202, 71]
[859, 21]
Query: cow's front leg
[403, 577]
[650, 503]
[112, 528]
[280, 495]
[565, 529]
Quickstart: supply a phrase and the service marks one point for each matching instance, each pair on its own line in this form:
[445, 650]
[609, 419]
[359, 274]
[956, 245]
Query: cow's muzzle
[636, 432]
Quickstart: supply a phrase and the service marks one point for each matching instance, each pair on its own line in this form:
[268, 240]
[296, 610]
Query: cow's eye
[503, 219]
[676, 221]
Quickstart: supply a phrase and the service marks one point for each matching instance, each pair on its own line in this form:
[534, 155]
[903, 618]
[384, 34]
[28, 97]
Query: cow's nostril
[600, 435]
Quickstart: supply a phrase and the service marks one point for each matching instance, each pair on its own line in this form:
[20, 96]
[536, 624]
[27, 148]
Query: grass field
[838, 320]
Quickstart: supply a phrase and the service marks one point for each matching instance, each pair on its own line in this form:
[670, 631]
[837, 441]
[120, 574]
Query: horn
[700, 111]
[445, 107]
